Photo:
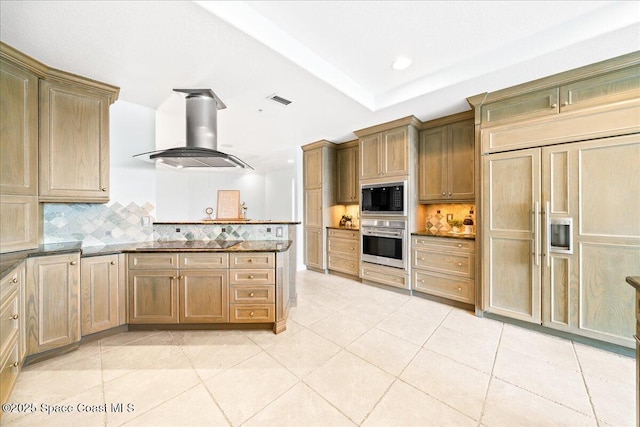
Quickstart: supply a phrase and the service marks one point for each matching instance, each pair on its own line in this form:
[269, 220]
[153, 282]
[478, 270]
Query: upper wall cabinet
[347, 192]
[74, 140]
[594, 101]
[18, 128]
[387, 153]
[447, 161]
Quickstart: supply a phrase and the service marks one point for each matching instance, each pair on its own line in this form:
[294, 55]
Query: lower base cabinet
[12, 345]
[52, 299]
[203, 296]
[444, 267]
[101, 293]
[343, 251]
[395, 277]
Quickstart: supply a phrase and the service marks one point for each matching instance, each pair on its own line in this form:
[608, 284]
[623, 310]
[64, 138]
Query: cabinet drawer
[345, 234]
[345, 265]
[384, 276]
[151, 261]
[263, 276]
[439, 243]
[347, 247]
[9, 322]
[10, 365]
[9, 285]
[457, 288]
[445, 262]
[536, 104]
[604, 89]
[252, 294]
[252, 260]
[251, 313]
[203, 260]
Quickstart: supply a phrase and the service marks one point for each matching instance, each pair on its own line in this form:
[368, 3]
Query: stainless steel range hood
[201, 149]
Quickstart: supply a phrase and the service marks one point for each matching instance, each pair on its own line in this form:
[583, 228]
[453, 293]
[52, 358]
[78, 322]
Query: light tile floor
[352, 355]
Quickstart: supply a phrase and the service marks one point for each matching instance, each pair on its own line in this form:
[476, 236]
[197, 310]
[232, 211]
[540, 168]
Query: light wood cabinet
[204, 296]
[52, 298]
[12, 330]
[18, 222]
[386, 275]
[348, 189]
[253, 281]
[153, 296]
[343, 248]
[444, 267]
[385, 154]
[18, 126]
[100, 293]
[447, 163]
[319, 196]
[74, 143]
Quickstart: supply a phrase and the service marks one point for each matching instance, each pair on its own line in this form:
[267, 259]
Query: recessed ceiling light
[401, 63]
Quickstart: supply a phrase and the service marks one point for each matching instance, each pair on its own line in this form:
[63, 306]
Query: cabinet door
[313, 208]
[74, 144]
[18, 223]
[511, 233]
[432, 174]
[347, 182]
[395, 152]
[605, 89]
[313, 248]
[530, 105]
[99, 285]
[52, 302]
[18, 130]
[153, 296]
[370, 160]
[204, 296]
[461, 161]
[312, 161]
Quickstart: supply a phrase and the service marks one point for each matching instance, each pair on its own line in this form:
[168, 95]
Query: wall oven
[383, 242]
[384, 199]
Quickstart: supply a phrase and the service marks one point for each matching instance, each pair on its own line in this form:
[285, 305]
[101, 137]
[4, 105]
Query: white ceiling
[331, 58]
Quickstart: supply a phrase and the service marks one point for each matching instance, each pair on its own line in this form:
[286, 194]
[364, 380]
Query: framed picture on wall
[228, 204]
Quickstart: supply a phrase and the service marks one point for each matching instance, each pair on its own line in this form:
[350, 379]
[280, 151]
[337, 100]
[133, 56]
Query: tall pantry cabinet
[559, 207]
[319, 165]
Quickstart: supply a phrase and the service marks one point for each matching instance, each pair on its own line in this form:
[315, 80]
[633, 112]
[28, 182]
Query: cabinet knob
[554, 105]
[459, 289]
[14, 365]
[444, 194]
[251, 314]
[104, 189]
[180, 277]
[14, 317]
[251, 276]
[459, 264]
[565, 103]
[172, 277]
[459, 245]
[15, 280]
[352, 248]
[73, 263]
[251, 294]
[449, 194]
[113, 263]
[249, 260]
[421, 258]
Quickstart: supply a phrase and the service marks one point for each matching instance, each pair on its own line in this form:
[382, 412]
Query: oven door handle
[383, 233]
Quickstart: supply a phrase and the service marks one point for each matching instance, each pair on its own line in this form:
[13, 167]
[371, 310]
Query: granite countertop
[345, 228]
[444, 234]
[634, 281]
[11, 260]
[227, 221]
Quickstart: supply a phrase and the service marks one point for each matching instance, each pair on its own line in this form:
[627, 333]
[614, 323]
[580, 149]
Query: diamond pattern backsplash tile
[95, 224]
[436, 215]
[164, 232]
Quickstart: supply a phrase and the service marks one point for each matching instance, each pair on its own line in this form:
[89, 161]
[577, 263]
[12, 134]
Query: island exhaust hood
[201, 149]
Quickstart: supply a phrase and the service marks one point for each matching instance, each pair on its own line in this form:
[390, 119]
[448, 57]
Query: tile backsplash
[436, 215]
[167, 232]
[97, 224]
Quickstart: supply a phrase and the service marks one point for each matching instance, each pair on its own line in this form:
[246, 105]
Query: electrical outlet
[107, 233]
[177, 229]
[278, 231]
[146, 221]
[449, 217]
[268, 229]
[223, 230]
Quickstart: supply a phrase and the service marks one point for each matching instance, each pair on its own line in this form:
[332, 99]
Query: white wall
[280, 194]
[132, 131]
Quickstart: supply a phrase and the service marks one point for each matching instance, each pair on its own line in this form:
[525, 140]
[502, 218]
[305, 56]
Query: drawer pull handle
[73, 263]
[104, 189]
[554, 105]
[251, 314]
[459, 245]
[251, 276]
[459, 264]
[180, 277]
[421, 258]
[251, 294]
[14, 280]
[249, 260]
[14, 365]
[14, 317]
[352, 248]
[113, 263]
[172, 277]
[460, 289]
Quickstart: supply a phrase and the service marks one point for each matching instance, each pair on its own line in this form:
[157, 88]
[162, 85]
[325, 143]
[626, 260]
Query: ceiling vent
[279, 99]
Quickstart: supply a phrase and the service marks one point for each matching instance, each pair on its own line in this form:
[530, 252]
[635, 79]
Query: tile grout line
[493, 367]
[584, 381]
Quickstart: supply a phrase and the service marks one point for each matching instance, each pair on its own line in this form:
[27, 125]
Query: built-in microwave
[384, 199]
